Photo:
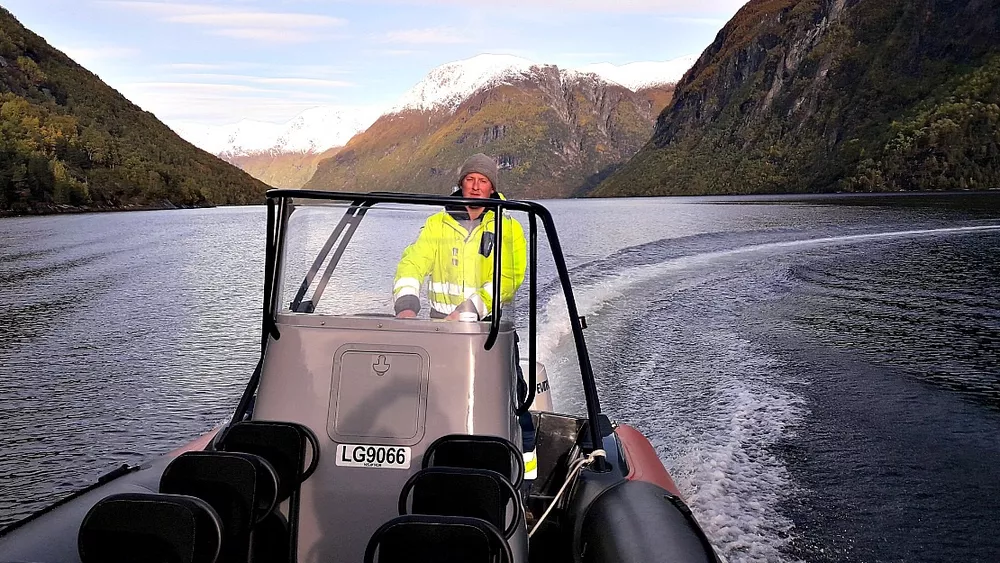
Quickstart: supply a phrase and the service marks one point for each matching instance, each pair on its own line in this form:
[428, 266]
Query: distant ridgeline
[825, 95]
[554, 133]
[68, 139]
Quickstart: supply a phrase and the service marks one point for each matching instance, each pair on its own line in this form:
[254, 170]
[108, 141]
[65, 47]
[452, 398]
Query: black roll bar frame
[278, 211]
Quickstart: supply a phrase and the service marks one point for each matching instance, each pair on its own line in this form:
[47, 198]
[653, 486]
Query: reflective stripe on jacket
[460, 264]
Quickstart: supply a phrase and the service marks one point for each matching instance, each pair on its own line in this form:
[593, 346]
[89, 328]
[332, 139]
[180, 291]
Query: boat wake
[714, 404]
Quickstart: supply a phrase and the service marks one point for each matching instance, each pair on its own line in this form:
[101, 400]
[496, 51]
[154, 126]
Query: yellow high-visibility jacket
[460, 264]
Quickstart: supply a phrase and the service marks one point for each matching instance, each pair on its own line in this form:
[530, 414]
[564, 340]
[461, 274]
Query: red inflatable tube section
[199, 443]
[643, 463]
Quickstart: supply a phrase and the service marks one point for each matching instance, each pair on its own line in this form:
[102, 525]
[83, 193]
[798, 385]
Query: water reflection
[124, 335]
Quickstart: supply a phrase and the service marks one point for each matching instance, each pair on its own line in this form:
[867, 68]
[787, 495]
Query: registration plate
[379, 457]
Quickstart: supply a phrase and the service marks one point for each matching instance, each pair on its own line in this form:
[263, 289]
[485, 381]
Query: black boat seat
[150, 527]
[287, 446]
[477, 451]
[453, 491]
[271, 540]
[242, 488]
[437, 539]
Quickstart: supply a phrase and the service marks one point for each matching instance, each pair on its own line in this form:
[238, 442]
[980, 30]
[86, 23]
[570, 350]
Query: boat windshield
[344, 259]
[340, 253]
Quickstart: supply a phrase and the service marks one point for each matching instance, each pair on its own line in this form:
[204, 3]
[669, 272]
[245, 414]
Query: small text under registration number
[382, 457]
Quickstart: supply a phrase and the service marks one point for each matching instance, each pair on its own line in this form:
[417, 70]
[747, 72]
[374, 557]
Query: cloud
[314, 70]
[166, 9]
[191, 66]
[713, 22]
[395, 52]
[591, 56]
[207, 102]
[201, 89]
[306, 82]
[258, 20]
[699, 7]
[426, 36]
[268, 35]
[259, 68]
[91, 57]
[239, 23]
[281, 81]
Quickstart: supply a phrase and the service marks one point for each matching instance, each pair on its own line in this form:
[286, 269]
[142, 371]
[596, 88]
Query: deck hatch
[378, 395]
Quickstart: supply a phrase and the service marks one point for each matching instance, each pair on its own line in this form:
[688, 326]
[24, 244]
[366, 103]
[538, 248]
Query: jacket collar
[460, 213]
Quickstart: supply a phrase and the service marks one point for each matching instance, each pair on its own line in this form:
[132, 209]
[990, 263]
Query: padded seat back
[242, 488]
[437, 539]
[476, 451]
[476, 493]
[150, 527]
[287, 446]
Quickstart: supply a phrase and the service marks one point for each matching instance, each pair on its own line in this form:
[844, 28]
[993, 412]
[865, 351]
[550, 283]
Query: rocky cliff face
[553, 133]
[823, 95]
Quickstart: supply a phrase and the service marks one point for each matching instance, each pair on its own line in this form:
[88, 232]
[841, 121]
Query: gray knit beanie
[482, 164]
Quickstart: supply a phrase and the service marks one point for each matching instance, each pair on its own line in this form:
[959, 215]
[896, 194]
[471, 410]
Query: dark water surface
[821, 375]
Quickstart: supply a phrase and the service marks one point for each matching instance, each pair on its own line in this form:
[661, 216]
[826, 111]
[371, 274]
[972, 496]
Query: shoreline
[45, 209]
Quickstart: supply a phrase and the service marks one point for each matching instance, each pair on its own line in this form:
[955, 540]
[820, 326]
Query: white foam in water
[717, 454]
[553, 325]
[553, 329]
[718, 451]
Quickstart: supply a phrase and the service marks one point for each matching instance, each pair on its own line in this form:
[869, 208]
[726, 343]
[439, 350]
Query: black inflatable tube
[639, 522]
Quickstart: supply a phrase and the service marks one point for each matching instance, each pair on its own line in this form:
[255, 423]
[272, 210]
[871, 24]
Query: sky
[215, 62]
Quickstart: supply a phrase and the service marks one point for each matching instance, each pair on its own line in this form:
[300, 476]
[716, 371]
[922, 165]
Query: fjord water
[820, 375]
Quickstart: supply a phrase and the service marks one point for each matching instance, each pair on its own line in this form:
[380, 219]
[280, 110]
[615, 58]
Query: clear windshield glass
[396, 258]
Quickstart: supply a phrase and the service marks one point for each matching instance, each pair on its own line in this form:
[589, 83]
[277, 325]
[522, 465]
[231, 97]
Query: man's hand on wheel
[405, 314]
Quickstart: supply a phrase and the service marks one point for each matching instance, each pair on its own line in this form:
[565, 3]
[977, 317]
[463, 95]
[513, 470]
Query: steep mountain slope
[554, 132]
[312, 131]
[284, 155]
[281, 169]
[66, 138]
[641, 75]
[823, 95]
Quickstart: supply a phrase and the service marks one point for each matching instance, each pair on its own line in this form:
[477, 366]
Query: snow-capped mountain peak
[451, 83]
[636, 76]
[448, 85]
[445, 87]
[314, 130]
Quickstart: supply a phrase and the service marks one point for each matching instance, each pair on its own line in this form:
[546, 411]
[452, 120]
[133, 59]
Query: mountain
[312, 131]
[553, 132]
[69, 140]
[283, 155]
[281, 169]
[833, 95]
[642, 75]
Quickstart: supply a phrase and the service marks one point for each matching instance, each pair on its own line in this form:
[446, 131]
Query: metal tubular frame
[278, 211]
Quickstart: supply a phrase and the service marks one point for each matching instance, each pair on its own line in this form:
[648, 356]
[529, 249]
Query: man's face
[475, 185]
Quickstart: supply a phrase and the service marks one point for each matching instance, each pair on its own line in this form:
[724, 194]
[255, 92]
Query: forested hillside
[833, 95]
[69, 140]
